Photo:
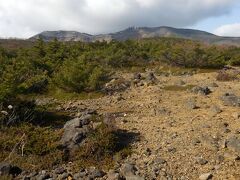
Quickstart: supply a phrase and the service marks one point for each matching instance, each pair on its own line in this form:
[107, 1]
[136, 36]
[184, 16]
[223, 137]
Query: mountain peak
[139, 33]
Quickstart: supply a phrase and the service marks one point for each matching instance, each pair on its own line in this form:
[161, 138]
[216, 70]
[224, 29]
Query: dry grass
[228, 75]
[38, 149]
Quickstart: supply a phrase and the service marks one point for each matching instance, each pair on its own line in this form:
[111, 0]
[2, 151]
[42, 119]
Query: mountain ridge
[139, 33]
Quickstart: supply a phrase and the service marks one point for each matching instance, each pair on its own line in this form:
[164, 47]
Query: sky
[25, 18]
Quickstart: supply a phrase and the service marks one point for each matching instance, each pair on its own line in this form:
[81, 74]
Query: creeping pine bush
[30, 147]
[99, 148]
[77, 76]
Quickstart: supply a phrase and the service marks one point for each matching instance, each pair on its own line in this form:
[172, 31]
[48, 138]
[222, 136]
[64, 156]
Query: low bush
[78, 76]
[228, 75]
[99, 148]
[30, 147]
[102, 147]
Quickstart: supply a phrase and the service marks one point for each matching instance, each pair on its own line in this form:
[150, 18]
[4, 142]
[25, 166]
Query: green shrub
[79, 75]
[99, 149]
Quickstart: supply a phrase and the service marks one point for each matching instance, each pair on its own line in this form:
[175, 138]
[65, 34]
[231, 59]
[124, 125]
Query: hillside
[164, 108]
[12, 44]
[139, 33]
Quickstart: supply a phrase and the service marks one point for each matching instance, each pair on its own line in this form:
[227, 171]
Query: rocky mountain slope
[184, 132]
[187, 127]
[139, 33]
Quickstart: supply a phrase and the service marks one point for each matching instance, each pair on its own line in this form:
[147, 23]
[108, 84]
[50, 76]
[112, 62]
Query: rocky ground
[182, 127]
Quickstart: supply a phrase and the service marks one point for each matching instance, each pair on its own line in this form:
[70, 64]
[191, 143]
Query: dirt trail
[175, 141]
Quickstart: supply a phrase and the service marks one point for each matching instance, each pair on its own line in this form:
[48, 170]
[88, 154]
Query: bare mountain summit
[139, 33]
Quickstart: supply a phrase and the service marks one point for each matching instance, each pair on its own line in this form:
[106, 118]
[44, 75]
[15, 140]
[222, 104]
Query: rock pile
[201, 90]
[140, 80]
[116, 85]
[76, 130]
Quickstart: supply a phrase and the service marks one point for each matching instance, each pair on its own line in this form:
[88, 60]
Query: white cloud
[228, 30]
[23, 18]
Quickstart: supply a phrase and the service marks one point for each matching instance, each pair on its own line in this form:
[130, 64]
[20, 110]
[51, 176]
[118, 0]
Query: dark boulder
[76, 130]
[201, 90]
[8, 169]
[116, 85]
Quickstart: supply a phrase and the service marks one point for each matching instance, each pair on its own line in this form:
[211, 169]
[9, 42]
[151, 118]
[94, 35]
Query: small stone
[78, 115]
[226, 130]
[160, 161]
[230, 100]
[216, 110]
[8, 169]
[220, 159]
[201, 161]
[234, 143]
[151, 77]
[112, 175]
[60, 170]
[236, 115]
[237, 131]
[95, 173]
[201, 90]
[213, 85]
[85, 119]
[179, 83]
[206, 176]
[148, 152]
[124, 121]
[231, 157]
[196, 142]
[76, 176]
[63, 176]
[43, 177]
[191, 104]
[5, 169]
[172, 149]
[127, 169]
[137, 76]
[217, 167]
[119, 97]
[134, 177]
[82, 174]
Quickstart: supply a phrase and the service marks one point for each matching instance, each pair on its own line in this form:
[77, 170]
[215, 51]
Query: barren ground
[176, 141]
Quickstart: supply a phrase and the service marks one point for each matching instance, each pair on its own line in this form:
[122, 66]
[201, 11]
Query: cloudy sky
[24, 18]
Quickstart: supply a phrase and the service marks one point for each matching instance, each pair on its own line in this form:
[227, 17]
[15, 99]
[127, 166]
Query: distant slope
[13, 44]
[63, 36]
[139, 33]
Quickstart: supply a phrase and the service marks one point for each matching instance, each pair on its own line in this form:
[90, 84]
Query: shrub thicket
[78, 67]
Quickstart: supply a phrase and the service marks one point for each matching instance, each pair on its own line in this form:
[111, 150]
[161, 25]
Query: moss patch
[178, 88]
